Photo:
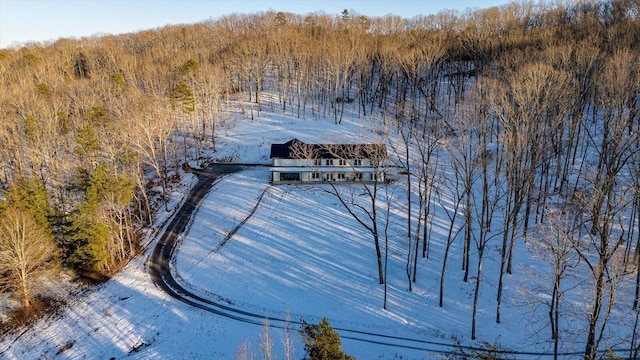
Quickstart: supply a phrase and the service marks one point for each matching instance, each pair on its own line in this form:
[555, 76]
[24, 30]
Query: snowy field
[299, 254]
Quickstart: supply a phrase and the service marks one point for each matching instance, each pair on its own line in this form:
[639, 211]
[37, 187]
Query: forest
[536, 106]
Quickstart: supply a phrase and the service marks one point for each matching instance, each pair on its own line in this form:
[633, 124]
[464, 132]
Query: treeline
[94, 131]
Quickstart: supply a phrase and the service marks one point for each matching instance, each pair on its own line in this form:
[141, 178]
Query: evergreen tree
[30, 195]
[88, 234]
[190, 66]
[182, 97]
[93, 229]
[321, 342]
[87, 145]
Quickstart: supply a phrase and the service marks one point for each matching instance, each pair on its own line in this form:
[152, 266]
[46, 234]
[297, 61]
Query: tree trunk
[26, 302]
[443, 272]
[467, 234]
[591, 348]
[379, 256]
[476, 292]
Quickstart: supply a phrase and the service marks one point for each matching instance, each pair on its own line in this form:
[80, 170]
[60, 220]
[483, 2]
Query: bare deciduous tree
[289, 343]
[553, 242]
[365, 212]
[266, 342]
[604, 201]
[26, 253]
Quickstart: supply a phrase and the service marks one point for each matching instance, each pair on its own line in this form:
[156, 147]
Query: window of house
[329, 162]
[318, 162]
[341, 176]
[342, 162]
[315, 176]
[357, 162]
[359, 176]
[289, 176]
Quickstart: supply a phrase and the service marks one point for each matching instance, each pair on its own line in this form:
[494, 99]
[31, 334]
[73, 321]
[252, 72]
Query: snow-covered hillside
[299, 255]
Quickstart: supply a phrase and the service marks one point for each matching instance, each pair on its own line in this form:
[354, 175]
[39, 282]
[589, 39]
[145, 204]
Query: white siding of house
[292, 162]
[332, 174]
[332, 170]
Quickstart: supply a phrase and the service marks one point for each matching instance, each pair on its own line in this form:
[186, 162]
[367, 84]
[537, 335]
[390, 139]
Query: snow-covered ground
[300, 254]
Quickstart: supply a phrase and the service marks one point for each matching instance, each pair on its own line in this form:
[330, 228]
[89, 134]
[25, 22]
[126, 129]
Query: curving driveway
[159, 267]
[159, 262]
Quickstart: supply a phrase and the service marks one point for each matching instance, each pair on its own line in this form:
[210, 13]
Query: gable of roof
[283, 151]
[330, 151]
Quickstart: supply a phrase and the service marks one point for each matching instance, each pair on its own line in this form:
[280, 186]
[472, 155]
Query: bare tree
[527, 109]
[417, 156]
[26, 253]
[245, 351]
[603, 200]
[455, 195]
[553, 242]
[266, 342]
[478, 164]
[152, 141]
[389, 199]
[364, 212]
[405, 164]
[288, 341]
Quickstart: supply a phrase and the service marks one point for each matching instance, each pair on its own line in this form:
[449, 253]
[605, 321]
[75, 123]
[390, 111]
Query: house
[297, 162]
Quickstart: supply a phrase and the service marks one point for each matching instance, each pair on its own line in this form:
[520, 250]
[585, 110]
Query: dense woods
[523, 117]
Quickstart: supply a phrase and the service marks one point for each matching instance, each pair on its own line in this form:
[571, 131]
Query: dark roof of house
[296, 149]
[283, 151]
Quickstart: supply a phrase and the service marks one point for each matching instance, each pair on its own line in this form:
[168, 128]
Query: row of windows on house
[316, 176]
[337, 176]
[340, 162]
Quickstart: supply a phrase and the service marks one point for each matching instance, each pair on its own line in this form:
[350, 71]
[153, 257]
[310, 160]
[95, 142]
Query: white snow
[299, 254]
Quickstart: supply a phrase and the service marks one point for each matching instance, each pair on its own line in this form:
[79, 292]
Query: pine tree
[98, 238]
[88, 233]
[321, 342]
[30, 195]
[182, 97]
